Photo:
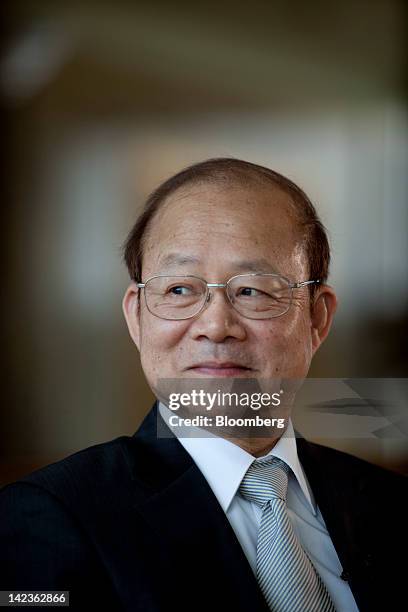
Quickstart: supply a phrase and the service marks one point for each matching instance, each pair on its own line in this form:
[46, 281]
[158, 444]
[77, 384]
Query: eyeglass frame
[291, 286]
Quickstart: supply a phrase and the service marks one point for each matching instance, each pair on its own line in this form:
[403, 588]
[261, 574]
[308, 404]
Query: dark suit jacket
[132, 525]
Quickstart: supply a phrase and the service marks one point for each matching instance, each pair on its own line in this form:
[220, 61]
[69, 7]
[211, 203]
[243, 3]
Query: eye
[249, 292]
[179, 290]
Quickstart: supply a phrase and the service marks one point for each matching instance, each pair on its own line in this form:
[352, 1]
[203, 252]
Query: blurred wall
[101, 102]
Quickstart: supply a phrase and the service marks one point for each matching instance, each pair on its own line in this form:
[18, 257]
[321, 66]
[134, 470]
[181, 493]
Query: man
[154, 523]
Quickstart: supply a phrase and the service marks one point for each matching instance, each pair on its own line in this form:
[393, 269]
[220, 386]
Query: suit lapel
[176, 501]
[348, 514]
[326, 494]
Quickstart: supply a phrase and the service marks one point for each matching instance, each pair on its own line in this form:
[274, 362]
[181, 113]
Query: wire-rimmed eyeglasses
[255, 295]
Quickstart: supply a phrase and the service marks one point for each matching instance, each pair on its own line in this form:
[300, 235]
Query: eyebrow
[255, 265]
[250, 265]
[176, 259]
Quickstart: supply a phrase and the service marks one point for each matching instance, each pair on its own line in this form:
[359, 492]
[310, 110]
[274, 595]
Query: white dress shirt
[224, 464]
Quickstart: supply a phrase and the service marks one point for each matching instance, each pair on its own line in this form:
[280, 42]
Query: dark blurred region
[101, 101]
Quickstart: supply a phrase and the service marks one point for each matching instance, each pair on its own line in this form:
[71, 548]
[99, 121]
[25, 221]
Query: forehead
[224, 220]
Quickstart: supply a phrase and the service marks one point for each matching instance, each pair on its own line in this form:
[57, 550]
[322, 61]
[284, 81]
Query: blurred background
[101, 101]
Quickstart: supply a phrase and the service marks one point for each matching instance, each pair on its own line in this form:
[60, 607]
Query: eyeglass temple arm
[303, 284]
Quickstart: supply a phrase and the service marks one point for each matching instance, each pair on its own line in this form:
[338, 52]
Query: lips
[214, 368]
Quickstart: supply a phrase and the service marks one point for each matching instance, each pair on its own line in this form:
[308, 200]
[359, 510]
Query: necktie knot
[265, 480]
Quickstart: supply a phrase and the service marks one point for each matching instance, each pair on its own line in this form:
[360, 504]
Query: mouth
[214, 369]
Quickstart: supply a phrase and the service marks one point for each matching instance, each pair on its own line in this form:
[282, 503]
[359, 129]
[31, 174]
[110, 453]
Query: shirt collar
[211, 451]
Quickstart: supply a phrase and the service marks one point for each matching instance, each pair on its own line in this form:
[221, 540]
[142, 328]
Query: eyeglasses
[255, 296]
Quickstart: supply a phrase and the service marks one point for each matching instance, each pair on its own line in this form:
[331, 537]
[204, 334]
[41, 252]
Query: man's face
[216, 232]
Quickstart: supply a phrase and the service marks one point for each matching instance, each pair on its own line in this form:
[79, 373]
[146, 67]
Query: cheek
[287, 343]
[158, 338]
[282, 333]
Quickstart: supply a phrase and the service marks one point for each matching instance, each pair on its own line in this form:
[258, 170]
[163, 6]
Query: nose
[218, 320]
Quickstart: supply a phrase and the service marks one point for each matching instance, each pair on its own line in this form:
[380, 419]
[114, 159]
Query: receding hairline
[261, 183]
[232, 171]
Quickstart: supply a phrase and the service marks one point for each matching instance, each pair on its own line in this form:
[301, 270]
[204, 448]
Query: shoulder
[103, 459]
[52, 519]
[348, 470]
[67, 493]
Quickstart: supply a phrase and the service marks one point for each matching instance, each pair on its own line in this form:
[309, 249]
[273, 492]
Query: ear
[131, 310]
[324, 307]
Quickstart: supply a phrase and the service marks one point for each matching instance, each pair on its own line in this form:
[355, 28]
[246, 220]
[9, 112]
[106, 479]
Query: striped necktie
[285, 574]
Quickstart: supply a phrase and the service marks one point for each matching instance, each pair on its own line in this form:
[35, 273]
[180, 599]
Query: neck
[257, 447]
